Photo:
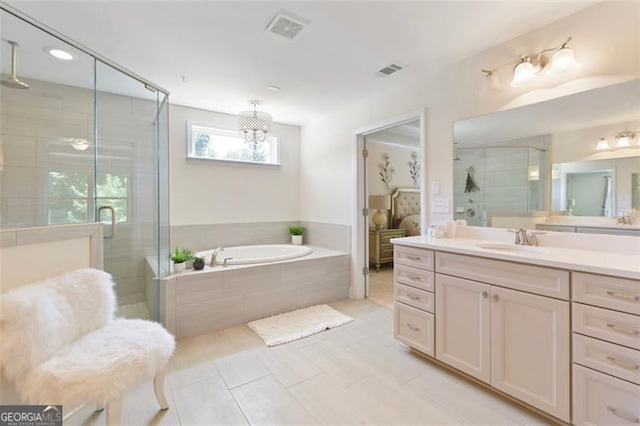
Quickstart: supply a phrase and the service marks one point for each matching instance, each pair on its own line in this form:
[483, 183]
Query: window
[217, 144]
[71, 196]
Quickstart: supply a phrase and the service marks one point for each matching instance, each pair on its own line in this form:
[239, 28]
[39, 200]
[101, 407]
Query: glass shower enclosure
[84, 140]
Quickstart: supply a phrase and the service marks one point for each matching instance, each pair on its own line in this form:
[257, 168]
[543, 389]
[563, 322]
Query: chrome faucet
[214, 255]
[523, 238]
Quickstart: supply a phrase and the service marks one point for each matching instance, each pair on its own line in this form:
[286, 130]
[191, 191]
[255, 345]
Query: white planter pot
[178, 267]
[296, 239]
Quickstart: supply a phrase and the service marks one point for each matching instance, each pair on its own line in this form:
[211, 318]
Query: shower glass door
[82, 141]
[129, 121]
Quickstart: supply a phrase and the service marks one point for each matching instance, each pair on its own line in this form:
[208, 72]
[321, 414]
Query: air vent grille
[285, 26]
[389, 69]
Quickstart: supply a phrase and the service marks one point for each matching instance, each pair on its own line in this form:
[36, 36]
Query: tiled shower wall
[503, 182]
[35, 124]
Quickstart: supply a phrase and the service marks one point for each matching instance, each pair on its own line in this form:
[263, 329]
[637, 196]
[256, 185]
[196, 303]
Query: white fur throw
[60, 345]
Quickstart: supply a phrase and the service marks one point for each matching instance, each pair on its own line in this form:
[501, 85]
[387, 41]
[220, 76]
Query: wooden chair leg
[114, 411]
[158, 386]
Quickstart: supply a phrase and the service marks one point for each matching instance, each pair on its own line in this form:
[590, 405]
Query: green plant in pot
[179, 257]
[198, 262]
[296, 232]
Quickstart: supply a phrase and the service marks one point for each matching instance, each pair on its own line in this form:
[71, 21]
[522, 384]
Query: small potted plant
[296, 232]
[198, 262]
[179, 257]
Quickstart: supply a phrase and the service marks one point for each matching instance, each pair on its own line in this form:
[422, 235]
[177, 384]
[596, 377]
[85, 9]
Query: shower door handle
[113, 220]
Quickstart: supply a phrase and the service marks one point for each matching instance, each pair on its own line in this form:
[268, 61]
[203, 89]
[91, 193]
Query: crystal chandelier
[255, 124]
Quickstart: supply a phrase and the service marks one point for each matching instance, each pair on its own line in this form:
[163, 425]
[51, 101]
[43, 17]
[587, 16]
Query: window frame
[93, 201]
[191, 157]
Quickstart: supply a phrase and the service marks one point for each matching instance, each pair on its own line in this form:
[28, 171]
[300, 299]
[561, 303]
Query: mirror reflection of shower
[13, 81]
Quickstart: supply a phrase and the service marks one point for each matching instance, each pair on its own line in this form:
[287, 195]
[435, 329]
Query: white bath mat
[295, 325]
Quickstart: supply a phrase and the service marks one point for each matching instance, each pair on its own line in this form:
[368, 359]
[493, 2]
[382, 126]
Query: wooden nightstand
[380, 247]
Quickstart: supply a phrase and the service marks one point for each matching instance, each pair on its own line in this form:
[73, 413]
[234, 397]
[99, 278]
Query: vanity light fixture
[60, 54]
[623, 140]
[527, 67]
[254, 125]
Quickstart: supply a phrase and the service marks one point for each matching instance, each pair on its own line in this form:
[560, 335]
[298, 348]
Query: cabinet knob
[485, 294]
[495, 298]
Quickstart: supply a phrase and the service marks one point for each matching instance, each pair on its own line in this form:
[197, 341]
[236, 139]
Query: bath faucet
[214, 255]
[523, 238]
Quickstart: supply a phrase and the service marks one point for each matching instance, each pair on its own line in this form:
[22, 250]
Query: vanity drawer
[415, 257]
[608, 292]
[615, 360]
[612, 326]
[517, 276]
[412, 296]
[413, 277]
[414, 327]
[602, 400]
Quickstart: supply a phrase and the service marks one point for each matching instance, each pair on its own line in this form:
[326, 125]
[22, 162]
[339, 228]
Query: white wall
[600, 34]
[399, 157]
[213, 193]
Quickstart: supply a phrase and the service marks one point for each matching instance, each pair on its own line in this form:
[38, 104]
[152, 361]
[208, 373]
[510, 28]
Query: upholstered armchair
[61, 345]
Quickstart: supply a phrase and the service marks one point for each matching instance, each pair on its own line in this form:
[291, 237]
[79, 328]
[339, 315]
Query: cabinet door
[530, 349]
[462, 326]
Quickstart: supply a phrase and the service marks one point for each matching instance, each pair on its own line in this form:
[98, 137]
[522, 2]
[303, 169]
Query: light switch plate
[439, 205]
[435, 188]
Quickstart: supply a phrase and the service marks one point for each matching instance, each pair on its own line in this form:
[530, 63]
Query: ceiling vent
[286, 25]
[389, 69]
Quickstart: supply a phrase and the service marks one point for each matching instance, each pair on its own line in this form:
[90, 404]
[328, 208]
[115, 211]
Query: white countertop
[593, 225]
[620, 265]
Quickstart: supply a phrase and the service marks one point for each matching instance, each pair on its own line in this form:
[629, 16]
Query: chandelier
[254, 125]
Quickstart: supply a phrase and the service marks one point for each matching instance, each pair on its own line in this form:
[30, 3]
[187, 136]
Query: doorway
[389, 155]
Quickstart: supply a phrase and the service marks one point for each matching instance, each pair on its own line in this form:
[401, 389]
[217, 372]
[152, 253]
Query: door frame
[360, 234]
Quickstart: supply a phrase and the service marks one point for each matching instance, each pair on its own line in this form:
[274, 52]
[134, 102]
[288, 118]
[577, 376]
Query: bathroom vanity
[555, 328]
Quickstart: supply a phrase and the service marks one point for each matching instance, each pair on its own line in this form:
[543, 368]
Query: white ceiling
[227, 58]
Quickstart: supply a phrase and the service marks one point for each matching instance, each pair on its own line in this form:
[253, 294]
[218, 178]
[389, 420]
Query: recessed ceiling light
[60, 54]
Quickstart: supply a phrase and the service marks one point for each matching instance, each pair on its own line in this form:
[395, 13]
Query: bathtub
[266, 253]
[196, 302]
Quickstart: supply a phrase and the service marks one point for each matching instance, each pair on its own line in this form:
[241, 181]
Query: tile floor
[353, 374]
[381, 286]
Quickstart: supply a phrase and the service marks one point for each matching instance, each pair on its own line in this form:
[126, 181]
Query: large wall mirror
[557, 157]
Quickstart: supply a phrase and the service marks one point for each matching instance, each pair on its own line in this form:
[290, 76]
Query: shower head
[13, 81]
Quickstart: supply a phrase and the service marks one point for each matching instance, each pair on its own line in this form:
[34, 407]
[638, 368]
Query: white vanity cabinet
[515, 341]
[606, 350]
[413, 307]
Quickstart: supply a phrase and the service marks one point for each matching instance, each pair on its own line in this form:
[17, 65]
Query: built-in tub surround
[206, 236]
[197, 302]
[505, 314]
[264, 253]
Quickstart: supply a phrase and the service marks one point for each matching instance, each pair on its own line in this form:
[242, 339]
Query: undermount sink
[512, 248]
